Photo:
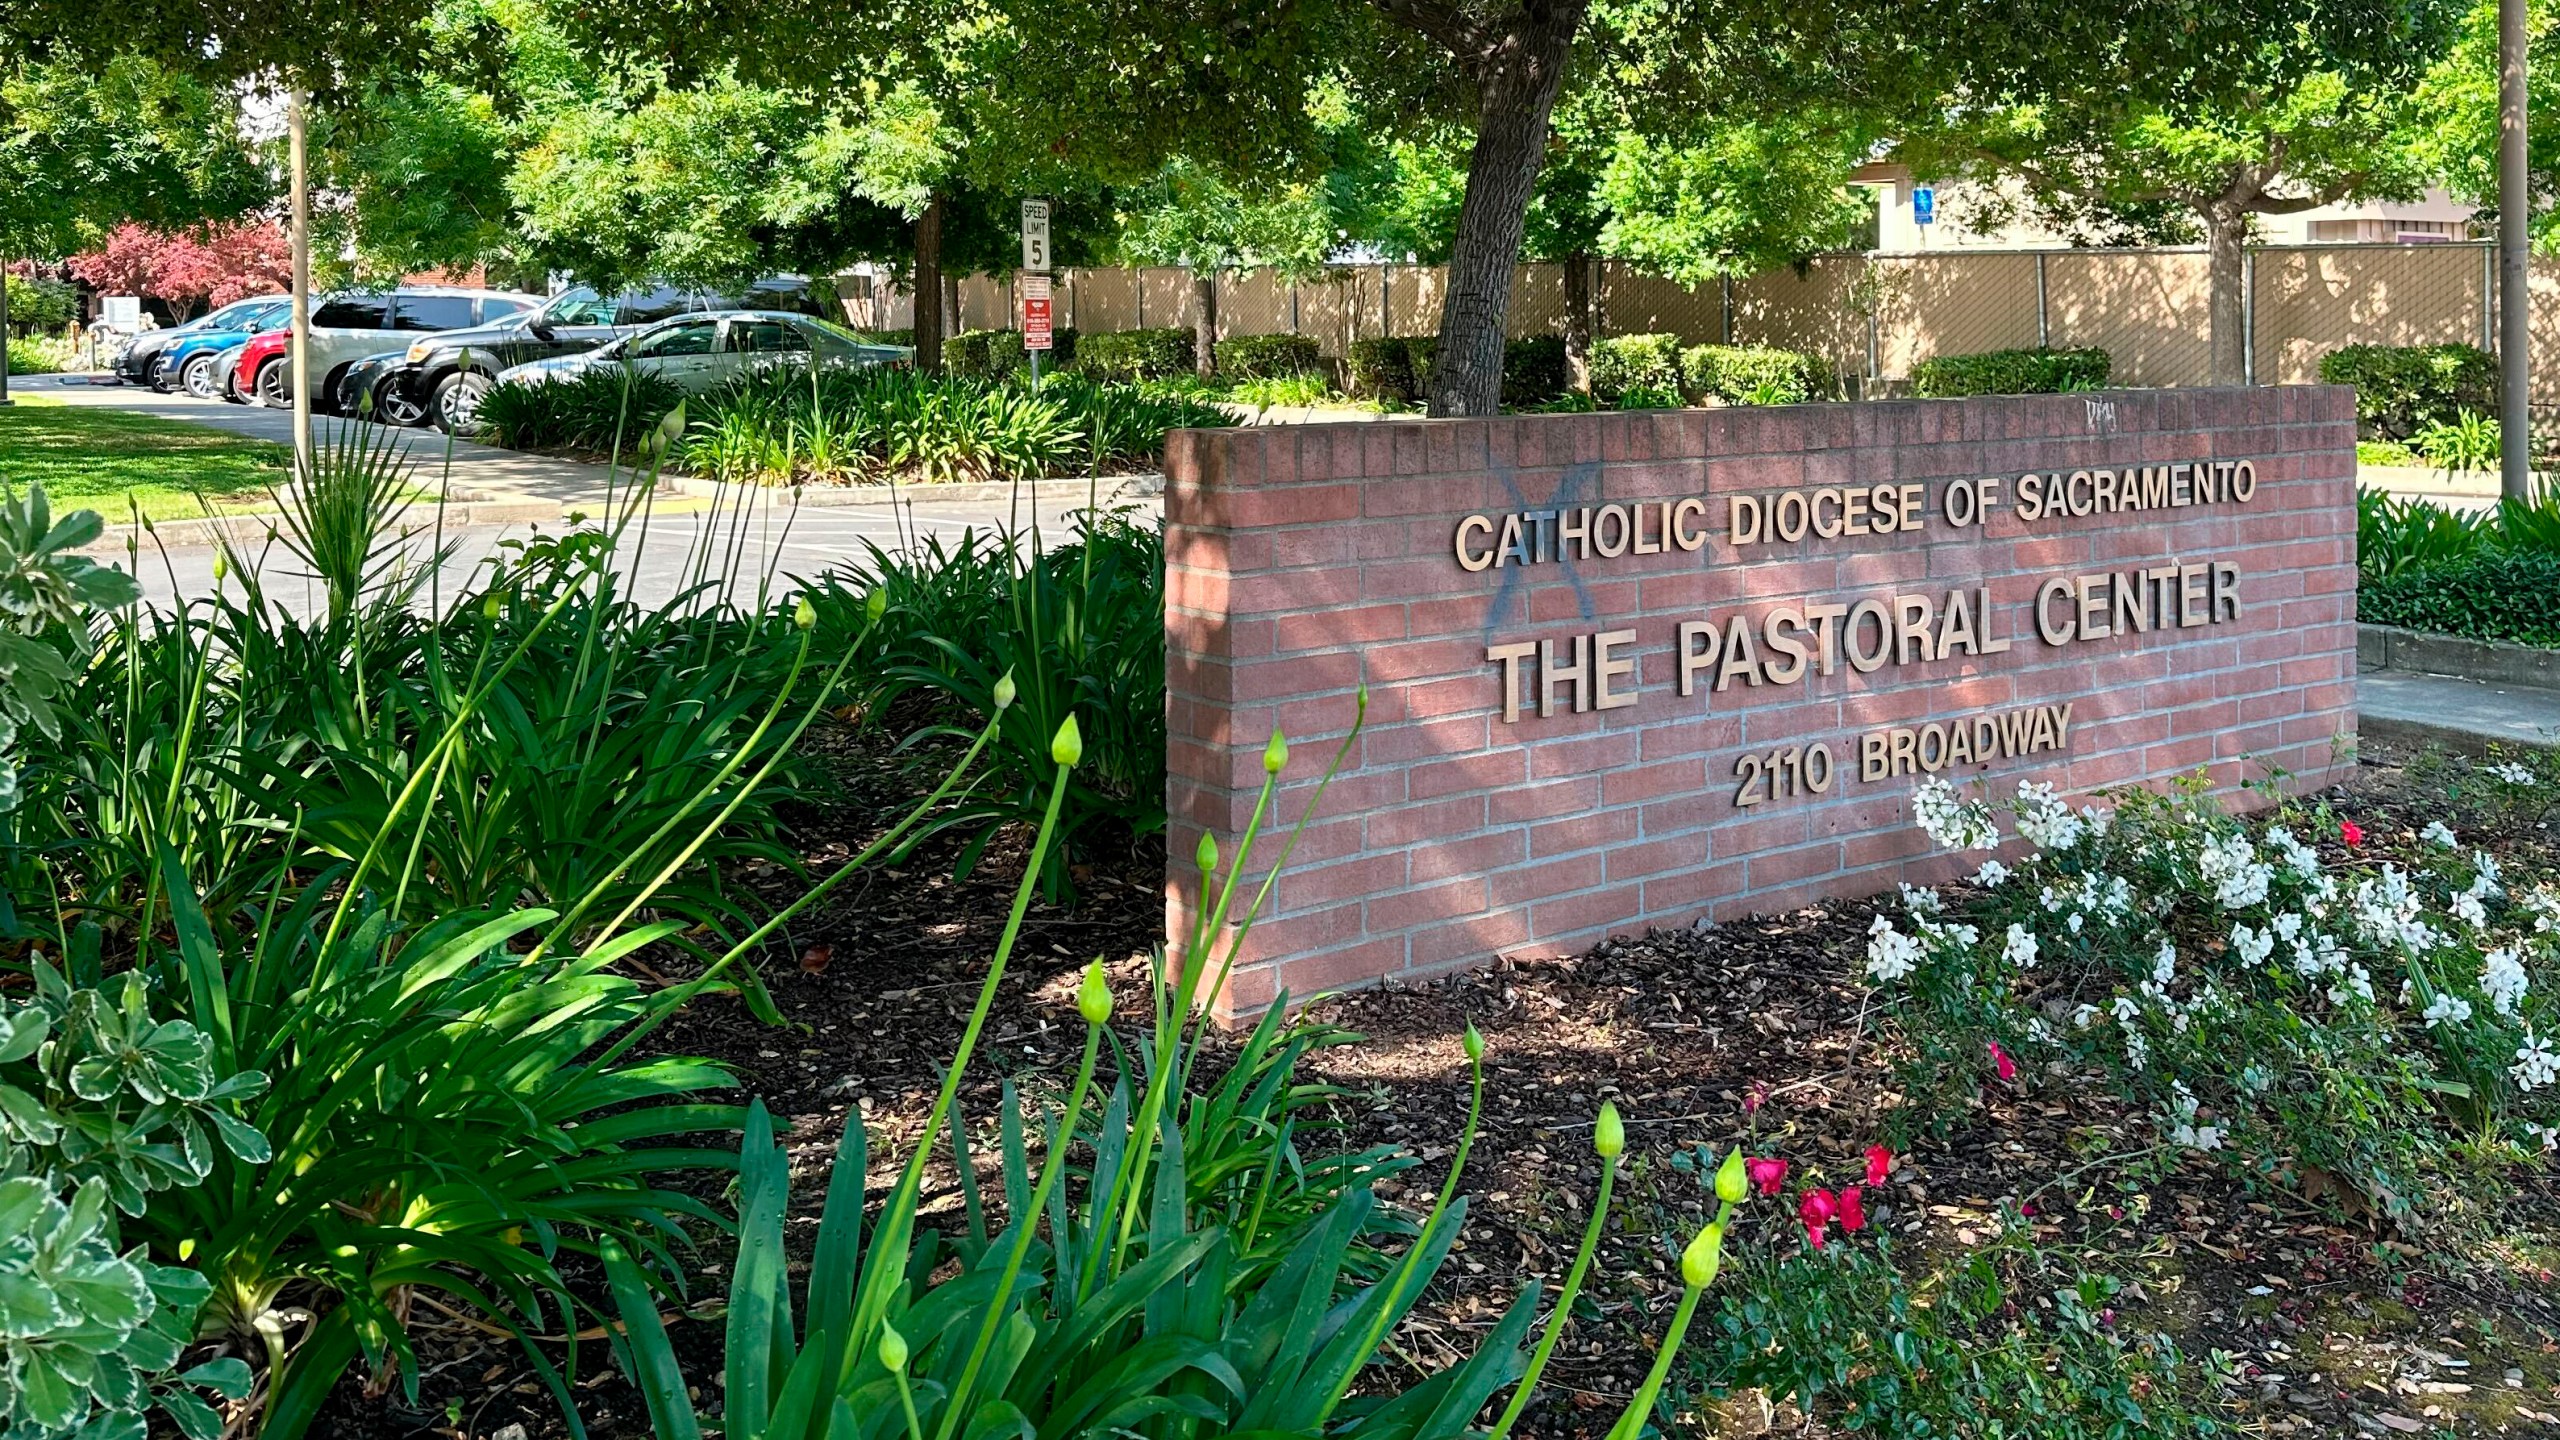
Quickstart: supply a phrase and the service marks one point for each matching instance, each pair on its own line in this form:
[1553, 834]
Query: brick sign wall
[1632, 669]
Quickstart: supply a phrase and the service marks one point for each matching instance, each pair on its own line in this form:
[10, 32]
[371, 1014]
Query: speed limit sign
[1035, 236]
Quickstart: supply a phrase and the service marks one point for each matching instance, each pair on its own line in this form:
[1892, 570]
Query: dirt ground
[1754, 1031]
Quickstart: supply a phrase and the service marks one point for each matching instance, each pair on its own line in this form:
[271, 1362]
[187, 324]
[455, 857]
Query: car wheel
[156, 375]
[394, 405]
[272, 390]
[198, 378]
[457, 401]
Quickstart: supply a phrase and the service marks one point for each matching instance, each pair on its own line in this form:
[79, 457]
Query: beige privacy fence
[1879, 315]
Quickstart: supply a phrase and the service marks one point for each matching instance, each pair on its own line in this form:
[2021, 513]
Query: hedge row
[2489, 594]
[994, 354]
[2403, 389]
[1136, 354]
[2011, 372]
[1398, 368]
[1269, 357]
[1632, 371]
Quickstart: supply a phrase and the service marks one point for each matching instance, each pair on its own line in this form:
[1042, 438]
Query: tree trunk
[1516, 85]
[1577, 322]
[928, 288]
[1204, 323]
[2226, 309]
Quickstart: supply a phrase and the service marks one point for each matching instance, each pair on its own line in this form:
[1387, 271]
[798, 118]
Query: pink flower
[1816, 1209]
[2000, 1061]
[1755, 1097]
[1766, 1175]
[1853, 1210]
[1879, 1164]
[2351, 832]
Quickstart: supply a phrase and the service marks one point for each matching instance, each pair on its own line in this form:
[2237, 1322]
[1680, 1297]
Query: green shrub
[2469, 441]
[999, 354]
[780, 426]
[1291, 390]
[1533, 371]
[2012, 372]
[2385, 452]
[1268, 357]
[37, 306]
[2003, 1340]
[2394, 535]
[596, 410]
[1136, 354]
[2401, 389]
[2486, 594]
[1394, 368]
[1646, 367]
[39, 354]
[1754, 374]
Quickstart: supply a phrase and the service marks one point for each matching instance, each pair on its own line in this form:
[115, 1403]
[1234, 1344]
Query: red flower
[1755, 1097]
[1879, 1164]
[1767, 1175]
[2000, 1061]
[1816, 1209]
[1853, 1210]
[2351, 832]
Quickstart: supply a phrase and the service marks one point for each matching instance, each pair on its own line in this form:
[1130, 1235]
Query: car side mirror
[542, 331]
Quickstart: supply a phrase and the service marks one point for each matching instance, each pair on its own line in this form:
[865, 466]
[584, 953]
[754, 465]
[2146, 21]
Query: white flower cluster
[2437, 833]
[2299, 858]
[2537, 1064]
[2232, 867]
[2503, 980]
[2387, 912]
[2252, 946]
[1921, 900]
[2183, 1129]
[2044, 820]
[1891, 955]
[1991, 874]
[2020, 949]
[2511, 772]
[1955, 823]
[2447, 1006]
[2544, 906]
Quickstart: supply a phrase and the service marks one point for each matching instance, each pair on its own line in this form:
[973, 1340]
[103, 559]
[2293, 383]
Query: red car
[259, 375]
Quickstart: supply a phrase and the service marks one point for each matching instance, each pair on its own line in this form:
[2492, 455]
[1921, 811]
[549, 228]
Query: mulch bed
[1756, 1031]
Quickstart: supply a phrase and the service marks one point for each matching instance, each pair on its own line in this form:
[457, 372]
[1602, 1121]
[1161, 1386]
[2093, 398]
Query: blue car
[193, 362]
[141, 365]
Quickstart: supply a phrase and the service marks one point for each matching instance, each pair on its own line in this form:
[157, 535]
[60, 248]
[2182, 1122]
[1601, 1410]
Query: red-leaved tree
[211, 265]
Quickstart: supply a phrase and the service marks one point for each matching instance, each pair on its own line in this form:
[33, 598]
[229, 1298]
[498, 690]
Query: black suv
[440, 378]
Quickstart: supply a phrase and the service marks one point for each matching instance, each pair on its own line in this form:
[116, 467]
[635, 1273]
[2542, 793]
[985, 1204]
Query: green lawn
[92, 458]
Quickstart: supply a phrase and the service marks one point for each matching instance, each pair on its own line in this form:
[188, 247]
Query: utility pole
[4, 335]
[297, 127]
[2515, 330]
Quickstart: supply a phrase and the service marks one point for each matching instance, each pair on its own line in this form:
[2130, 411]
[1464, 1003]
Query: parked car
[701, 352]
[137, 364]
[347, 328]
[194, 363]
[441, 380]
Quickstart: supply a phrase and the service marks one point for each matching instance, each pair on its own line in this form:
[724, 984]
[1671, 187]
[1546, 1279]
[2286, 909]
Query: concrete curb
[823, 497]
[2493, 662]
[243, 527]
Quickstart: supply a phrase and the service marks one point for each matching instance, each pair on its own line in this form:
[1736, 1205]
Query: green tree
[2451, 121]
[2300, 138]
[84, 150]
[1188, 216]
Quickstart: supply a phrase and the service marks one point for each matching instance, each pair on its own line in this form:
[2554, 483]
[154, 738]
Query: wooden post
[2515, 284]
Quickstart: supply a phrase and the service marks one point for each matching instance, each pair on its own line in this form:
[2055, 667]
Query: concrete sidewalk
[2460, 715]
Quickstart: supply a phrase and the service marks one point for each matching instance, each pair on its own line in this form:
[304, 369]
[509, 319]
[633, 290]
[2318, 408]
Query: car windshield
[576, 306]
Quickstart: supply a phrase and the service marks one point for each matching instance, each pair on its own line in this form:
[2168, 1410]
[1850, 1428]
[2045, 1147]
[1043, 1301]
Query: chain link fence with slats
[1873, 317]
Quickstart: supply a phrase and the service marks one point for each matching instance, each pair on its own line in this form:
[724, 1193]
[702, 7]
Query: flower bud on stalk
[1068, 747]
[1205, 854]
[804, 614]
[1005, 691]
[875, 604]
[1473, 1044]
[221, 564]
[1704, 1257]
[893, 1349]
[1732, 1182]
[1609, 1137]
[1093, 998]
[1275, 755]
